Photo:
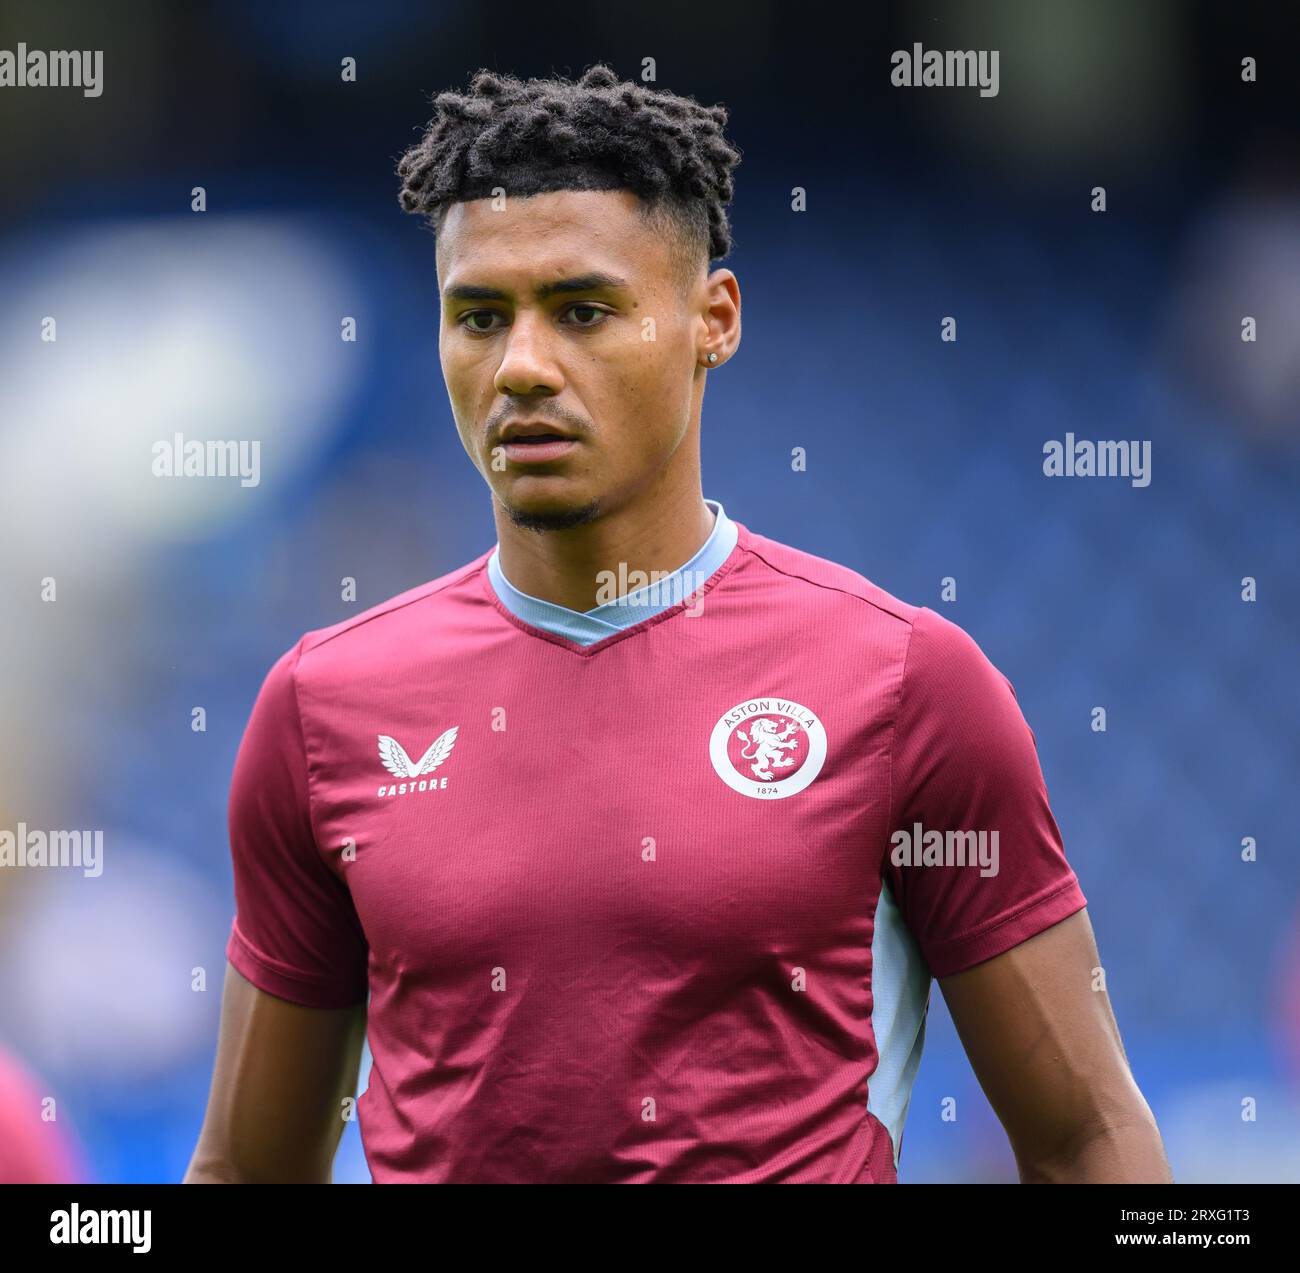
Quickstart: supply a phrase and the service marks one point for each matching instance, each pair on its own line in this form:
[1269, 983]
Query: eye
[465, 320]
[479, 321]
[581, 306]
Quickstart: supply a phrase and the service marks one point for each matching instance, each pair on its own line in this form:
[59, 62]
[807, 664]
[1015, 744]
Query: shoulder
[329, 656]
[937, 653]
[817, 579]
[395, 620]
[943, 653]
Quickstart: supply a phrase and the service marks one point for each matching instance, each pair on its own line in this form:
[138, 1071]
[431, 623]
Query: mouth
[537, 450]
[534, 443]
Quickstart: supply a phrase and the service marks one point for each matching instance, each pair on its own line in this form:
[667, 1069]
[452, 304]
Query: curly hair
[593, 133]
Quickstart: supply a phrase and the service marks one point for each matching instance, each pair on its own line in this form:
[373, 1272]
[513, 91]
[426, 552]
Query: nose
[528, 363]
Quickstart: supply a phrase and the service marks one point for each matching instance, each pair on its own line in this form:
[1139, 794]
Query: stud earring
[713, 357]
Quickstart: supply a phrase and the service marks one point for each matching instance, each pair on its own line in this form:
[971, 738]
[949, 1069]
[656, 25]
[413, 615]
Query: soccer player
[636, 841]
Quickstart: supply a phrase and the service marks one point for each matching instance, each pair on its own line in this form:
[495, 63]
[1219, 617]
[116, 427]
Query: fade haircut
[594, 133]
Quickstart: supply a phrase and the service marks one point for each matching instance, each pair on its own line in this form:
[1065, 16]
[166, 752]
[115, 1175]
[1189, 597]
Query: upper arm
[998, 912]
[975, 863]
[275, 1112]
[296, 934]
[294, 1004]
[1037, 1025]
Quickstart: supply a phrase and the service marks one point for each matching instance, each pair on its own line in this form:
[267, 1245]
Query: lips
[534, 442]
[537, 449]
[535, 439]
[532, 432]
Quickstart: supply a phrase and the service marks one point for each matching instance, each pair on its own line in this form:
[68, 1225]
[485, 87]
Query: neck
[657, 531]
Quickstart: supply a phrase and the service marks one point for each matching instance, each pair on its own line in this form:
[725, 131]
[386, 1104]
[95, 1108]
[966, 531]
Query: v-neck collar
[628, 610]
[644, 607]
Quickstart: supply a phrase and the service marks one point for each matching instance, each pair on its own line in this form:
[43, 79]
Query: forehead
[531, 238]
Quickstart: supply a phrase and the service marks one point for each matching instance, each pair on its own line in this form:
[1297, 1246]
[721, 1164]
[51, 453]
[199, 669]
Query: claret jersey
[661, 905]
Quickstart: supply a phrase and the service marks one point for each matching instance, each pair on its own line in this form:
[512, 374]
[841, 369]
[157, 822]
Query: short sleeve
[966, 765]
[296, 934]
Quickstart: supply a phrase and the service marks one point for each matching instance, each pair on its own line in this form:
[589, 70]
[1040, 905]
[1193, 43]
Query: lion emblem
[766, 745]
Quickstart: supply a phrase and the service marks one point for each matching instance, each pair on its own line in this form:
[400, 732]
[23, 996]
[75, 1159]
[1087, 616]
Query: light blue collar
[622, 611]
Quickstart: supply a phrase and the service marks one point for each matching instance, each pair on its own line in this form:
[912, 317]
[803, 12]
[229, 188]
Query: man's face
[563, 312]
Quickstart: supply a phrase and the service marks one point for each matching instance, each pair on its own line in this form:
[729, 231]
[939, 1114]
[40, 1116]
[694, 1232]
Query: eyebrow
[579, 283]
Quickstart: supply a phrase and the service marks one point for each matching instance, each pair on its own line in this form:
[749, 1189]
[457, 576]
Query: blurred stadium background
[924, 461]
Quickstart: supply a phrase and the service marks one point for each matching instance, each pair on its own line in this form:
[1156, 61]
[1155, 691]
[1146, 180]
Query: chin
[543, 515]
